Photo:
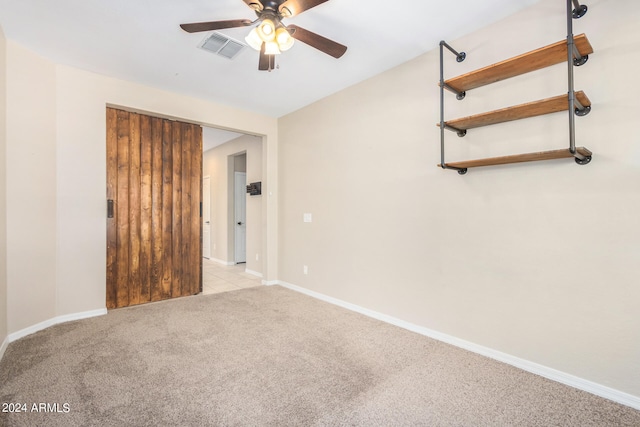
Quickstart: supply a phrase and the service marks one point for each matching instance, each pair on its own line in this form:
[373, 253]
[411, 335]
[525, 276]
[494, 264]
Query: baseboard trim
[3, 347]
[219, 261]
[534, 368]
[272, 283]
[55, 321]
[253, 273]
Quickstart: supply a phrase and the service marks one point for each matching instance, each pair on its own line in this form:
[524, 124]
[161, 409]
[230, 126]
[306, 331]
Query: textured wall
[539, 260]
[3, 188]
[56, 179]
[31, 188]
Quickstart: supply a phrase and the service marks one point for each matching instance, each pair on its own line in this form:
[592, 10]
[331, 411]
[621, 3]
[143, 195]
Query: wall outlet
[214, 246]
[257, 257]
[305, 269]
[307, 217]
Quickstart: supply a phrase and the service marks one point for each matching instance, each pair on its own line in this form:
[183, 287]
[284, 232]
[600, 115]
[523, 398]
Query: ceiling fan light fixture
[284, 39]
[271, 48]
[285, 11]
[257, 6]
[267, 34]
[253, 39]
[267, 30]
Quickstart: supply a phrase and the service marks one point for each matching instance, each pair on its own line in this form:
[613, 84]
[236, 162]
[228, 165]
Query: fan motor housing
[272, 4]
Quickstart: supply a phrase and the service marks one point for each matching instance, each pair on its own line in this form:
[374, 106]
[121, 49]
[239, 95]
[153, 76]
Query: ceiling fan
[270, 36]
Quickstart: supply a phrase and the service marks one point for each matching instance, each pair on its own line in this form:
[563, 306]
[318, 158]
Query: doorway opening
[237, 235]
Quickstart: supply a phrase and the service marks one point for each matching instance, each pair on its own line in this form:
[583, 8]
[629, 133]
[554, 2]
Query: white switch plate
[305, 269]
[307, 217]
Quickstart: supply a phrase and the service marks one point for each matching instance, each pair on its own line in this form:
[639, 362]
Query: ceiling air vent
[222, 45]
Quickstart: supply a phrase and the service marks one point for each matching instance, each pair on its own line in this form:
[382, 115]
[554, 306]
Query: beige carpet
[268, 356]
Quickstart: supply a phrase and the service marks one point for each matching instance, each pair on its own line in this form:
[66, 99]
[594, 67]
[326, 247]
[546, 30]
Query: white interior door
[240, 205]
[206, 217]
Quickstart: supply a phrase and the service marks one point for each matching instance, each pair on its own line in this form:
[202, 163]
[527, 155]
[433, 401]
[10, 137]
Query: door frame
[239, 233]
[206, 217]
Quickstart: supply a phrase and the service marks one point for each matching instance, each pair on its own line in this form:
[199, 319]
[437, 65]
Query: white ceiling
[212, 137]
[140, 41]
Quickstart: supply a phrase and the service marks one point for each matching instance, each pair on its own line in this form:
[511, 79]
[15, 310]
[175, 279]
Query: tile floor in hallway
[217, 277]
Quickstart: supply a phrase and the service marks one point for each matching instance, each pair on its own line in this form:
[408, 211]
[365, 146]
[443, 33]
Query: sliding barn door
[154, 175]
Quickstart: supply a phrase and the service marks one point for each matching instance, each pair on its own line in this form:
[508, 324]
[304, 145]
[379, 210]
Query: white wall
[56, 179]
[540, 260]
[3, 190]
[216, 164]
[31, 188]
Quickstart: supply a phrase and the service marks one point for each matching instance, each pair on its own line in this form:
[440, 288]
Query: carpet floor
[268, 356]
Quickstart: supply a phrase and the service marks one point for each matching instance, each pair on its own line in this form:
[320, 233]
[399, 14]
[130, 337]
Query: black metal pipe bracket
[578, 59]
[579, 11]
[460, 56]
[584, 161]
[461, 171]
[459, 132]
[459, 95]
[581, 112]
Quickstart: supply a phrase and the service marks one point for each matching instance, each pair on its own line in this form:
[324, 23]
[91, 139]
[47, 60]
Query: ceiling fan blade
[254, 4]
[215, 25]
[266, 62]
[295, 7]
[323, 44]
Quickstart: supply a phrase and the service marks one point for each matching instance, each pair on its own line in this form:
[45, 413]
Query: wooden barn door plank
[112, 186]
[187, 137]
[195, 256]
[167, 209]
[154, 176]
[134, 208]
[145, 209]
[122, 212]
[176, 285]
[156, 210]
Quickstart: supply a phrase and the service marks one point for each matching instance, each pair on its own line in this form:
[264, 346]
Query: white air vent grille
[231, 49]
[222, 45]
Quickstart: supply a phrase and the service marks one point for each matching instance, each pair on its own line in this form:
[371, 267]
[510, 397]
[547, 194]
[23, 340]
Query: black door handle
[240, 223]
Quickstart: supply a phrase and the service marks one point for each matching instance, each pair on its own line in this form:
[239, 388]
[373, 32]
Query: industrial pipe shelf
[517, 112]
[531, 61]
[575, 51]
[519, 158]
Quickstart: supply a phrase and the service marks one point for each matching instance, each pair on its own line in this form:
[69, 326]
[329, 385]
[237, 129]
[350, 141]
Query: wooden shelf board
[527, 62]
[517, 112]
[519, 158]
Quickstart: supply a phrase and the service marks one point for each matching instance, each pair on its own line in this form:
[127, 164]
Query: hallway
[218, 278]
